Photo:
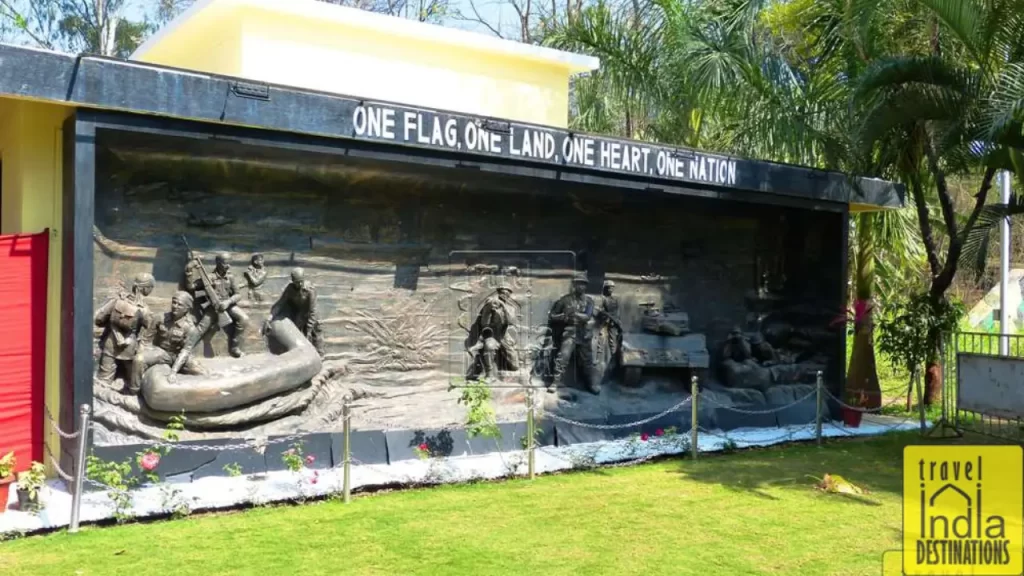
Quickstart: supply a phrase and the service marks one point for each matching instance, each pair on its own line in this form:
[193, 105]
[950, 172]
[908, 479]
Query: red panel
[22, 345]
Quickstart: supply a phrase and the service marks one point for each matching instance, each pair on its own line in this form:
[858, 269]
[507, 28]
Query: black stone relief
[388, 288]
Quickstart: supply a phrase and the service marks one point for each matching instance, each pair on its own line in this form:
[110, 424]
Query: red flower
[150, 461]
[659, 432]
[422, 447]
[644, 436]
[309, 460]
[314, 480]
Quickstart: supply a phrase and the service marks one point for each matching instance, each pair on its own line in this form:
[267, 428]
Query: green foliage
[7, 464]
[233, 469]
[908, 330]
[32, 480]
[292, 457]
[121, 477]
[481, 419]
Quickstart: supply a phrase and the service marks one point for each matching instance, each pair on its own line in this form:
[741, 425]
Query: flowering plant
[422, 450]
[149, 461]
[292, 458]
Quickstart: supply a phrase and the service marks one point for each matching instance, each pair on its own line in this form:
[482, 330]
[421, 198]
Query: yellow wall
[412, 72]
[382, 58]
[31, 136]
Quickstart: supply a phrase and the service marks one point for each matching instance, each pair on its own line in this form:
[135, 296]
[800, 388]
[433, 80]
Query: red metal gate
[23, 262]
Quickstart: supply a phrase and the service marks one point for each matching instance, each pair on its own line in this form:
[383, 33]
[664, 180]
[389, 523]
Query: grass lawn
[750, 512]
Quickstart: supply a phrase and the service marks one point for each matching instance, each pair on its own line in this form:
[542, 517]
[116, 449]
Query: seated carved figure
[739, 366]
[170, 344]
[492, 345]
[754, 363]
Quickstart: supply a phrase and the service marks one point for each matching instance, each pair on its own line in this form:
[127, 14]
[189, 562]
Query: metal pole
[1004, 270]
[80, 459]
[693, 416]
[531, 434]
[817, 407]
[347, 468]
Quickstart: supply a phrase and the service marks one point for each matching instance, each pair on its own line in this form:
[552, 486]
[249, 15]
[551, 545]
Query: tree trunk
[933, 370]
[862, 376]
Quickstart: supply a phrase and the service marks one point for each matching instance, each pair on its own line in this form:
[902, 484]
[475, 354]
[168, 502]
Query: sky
[493, 10]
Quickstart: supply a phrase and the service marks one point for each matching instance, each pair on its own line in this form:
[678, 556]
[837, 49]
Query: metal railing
[959, 418]
[820, 393]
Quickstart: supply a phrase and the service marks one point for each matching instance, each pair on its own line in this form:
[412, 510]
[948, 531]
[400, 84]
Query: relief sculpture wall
[330, 281]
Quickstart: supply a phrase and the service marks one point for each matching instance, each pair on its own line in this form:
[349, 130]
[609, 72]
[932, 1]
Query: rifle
[207, 296]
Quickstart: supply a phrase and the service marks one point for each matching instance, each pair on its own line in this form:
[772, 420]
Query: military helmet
[184, 297]
[503, 285]
[144, 279]
[580, 278]
[221, 258]
[608, 284]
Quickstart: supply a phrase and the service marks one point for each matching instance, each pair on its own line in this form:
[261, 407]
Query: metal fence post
[80, 461]
[531, 435]
[817, 406]
[693, 416]
[347, 453]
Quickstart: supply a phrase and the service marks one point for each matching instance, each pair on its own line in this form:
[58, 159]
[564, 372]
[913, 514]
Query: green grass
[750, 512]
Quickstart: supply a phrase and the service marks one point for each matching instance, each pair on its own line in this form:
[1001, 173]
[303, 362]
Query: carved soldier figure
[175, 334]
[123, 318]
[298, 304]
[570, 319]
[495, 346]
[611, 328]
[228, 296]
[255, 275]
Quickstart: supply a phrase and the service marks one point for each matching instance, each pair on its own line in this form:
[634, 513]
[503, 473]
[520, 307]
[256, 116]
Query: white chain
[558, 418]
[57, 429]
[709, 400]
[863, 410]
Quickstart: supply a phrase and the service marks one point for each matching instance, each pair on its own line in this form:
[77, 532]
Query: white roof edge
[389, 25]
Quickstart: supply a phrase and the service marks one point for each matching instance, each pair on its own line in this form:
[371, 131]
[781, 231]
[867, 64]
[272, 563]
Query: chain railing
[659, 446]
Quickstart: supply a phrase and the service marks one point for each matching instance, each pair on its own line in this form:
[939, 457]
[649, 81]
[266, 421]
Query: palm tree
[955, 110]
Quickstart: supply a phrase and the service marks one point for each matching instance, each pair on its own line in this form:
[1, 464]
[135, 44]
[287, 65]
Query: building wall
[332, 55]
[31, 136]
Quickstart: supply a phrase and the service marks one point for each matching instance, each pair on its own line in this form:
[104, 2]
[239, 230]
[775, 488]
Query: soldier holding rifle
[218, 296]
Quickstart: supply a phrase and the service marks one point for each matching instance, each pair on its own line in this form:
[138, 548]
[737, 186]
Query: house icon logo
[962, 510]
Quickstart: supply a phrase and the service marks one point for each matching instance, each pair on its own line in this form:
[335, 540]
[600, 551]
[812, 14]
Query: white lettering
[410, 124]
[703, 169]
[527, 144]
[471, 136]
[588, 151]
[615, 158]
[374, 122]
[389, 124]
[732, 172]
[495, 143]
[421, 136]
[359, 120]
[451, 132]
[436, 137]
[516, 151]
[646, 153]
[549, 146]
[693, 168]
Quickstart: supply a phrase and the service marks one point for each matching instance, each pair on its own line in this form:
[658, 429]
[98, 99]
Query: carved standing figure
[611, 329]
[298, 304]
[494, 346]
[123, 318]
[570, 323]
[170, 344]
[255, 276]
[220, 303]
